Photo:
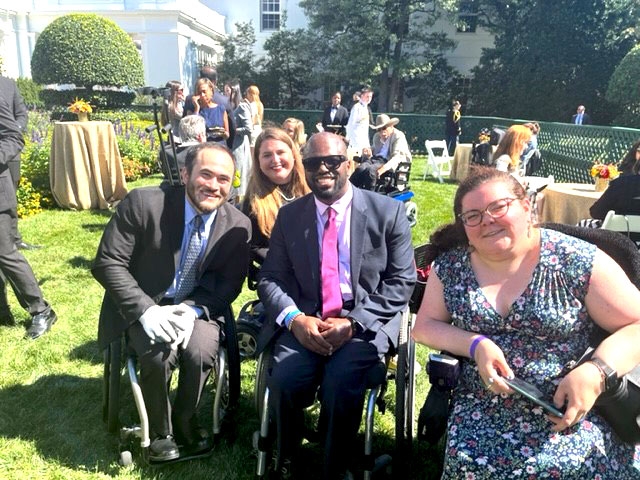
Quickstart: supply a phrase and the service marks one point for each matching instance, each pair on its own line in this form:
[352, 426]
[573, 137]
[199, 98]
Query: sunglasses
[331, 162]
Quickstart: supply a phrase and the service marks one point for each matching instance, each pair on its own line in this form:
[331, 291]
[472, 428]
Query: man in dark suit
[338, 274]
[13, 122]
[171, 261]
[335, 116]
[581, 117]
[14, 268]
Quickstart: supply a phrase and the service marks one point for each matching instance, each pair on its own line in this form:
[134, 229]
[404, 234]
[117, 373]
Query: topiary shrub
[90, 52]
[30, 92]
[624, 89]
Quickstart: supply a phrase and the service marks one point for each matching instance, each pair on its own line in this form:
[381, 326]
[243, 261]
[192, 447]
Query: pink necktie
[329, 273]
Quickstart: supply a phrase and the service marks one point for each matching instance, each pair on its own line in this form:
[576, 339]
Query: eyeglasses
[331, 162]
[496, 209]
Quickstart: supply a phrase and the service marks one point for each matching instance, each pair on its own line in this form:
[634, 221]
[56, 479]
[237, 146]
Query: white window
[270, 15]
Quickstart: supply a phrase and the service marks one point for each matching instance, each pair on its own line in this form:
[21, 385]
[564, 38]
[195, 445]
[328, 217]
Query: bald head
[323, 142]
[326, 166]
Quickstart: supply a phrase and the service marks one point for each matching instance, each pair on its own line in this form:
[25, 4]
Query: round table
[85, 169]
[568, 202]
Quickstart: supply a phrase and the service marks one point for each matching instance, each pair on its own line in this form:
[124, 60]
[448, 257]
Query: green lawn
[51, 389]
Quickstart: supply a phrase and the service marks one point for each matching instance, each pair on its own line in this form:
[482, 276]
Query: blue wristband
[474, 345]
[290, 316]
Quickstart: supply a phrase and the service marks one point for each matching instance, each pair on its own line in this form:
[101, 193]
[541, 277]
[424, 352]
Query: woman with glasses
[277, 178]
[518, 301]
[173, 108]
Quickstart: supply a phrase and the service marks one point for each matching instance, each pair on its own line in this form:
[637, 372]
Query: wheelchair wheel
[261, 380]
[405, 394]
[233, 359]
[111, 389]
[248, 327]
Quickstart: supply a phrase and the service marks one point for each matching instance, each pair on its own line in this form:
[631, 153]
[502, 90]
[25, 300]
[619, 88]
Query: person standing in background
[358, 124]
[581, 117]
[452, 126]
[335, 116]
[173, 108]
[257, 112]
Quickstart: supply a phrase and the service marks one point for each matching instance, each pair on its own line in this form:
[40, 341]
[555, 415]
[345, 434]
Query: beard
[204, 200]
[329, 191]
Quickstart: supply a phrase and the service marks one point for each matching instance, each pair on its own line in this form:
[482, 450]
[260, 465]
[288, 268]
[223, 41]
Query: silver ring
[489, 383]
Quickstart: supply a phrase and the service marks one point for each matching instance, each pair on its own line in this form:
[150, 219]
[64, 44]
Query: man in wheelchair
[390, 148]
[171, 262]
[338, 274]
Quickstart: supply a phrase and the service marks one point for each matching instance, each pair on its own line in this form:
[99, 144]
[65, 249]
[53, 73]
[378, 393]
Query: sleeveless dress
[213, 117]
[490, 437]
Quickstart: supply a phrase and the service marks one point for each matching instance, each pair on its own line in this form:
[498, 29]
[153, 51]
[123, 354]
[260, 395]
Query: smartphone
[532, 393]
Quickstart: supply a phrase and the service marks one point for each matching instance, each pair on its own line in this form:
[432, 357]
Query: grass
[51, 389]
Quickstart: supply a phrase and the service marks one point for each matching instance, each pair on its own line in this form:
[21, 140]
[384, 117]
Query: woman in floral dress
[518, 300]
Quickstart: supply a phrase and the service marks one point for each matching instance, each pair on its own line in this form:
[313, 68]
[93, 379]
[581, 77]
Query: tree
[91, 52]
[624, 89]
[550, 56]
[238, 61]
[383, 42]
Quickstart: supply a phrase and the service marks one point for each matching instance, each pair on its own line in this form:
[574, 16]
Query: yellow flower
[80, 106]
[600, 170]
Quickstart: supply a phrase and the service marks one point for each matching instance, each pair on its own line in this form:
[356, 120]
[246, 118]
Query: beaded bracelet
[289, 318]
[474, 345]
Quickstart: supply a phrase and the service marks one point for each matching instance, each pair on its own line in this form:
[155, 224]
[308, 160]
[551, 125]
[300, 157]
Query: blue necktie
[190, 266]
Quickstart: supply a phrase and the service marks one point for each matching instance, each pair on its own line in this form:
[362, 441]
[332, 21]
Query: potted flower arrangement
[81, 108]
[603, 173]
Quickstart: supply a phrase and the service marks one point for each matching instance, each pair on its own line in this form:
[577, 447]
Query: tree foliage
[624, 90]
[239, 62]
[389, 44]
[550, 56]
[87, 50]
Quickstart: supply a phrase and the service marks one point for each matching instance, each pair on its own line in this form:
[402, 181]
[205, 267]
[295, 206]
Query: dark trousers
[14, 171]
[15, 270]
[157, 363]
[452, 142]
[366, 174]
[297, 375]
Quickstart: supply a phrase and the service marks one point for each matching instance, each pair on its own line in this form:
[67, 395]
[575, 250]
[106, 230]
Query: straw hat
[383, 121]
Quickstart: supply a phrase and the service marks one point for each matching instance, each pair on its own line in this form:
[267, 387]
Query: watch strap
[609, 375]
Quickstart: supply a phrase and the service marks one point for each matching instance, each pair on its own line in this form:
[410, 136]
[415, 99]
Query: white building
[175, 37]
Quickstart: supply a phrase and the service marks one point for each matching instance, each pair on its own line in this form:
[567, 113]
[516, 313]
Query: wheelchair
[396, 185]
[226, 372]
[377, 381]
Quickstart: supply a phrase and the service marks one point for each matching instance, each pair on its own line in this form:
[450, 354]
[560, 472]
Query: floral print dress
[491, 437]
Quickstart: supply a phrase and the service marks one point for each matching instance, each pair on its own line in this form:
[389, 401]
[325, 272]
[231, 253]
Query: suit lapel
[310, 234]
[358, 228]
[176, 203]
[220, 226]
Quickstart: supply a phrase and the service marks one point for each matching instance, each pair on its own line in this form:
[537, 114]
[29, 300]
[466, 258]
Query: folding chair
[437, 165]
[626, 224]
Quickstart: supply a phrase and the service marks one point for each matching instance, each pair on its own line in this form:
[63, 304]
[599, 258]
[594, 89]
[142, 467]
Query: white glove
[182, 319]
[156, 324]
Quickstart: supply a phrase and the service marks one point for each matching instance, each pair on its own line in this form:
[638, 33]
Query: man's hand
[308, 331]
[339, 333]
[182, 319]
[156, 324]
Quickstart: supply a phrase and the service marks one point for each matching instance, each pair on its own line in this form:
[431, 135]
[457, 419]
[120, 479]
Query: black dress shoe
[6, 318]
[41, 324]
[194, 443]
[26, 246]
[163, 449]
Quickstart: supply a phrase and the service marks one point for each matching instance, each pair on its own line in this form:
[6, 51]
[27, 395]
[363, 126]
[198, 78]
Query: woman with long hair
[257, 111]
[295, 129]
[214, 114]
[510, 148]
[277, 178]
[630, 164]
[173, 108]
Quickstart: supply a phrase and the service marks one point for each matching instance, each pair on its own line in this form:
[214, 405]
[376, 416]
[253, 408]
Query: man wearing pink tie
[338, 274]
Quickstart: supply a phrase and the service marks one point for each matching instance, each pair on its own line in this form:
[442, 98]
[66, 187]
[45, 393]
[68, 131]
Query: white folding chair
[438, 165]
[621, 223]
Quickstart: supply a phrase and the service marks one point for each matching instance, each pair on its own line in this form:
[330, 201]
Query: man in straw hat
[390, 147]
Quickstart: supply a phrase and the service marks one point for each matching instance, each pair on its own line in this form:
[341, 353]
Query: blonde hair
[299, 137]
[253, 95]
[265, 196]
[511, 143]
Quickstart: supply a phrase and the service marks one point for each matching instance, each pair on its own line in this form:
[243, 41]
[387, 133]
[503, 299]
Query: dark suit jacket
[622, 196]
[140, 251]
[586, 119]
[13, 120]
[341, 118]
[382, 268]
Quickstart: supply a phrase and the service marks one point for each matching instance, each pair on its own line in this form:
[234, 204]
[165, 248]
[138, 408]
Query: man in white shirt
[358, 124]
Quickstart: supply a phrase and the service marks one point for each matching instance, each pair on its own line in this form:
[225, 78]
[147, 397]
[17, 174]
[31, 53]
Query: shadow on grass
[94, 227]
[89, 352]
[81, 262]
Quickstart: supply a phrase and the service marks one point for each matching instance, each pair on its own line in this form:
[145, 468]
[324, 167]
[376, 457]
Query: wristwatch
[609, 375]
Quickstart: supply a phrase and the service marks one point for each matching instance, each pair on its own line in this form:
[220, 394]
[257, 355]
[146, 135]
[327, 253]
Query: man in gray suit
[171, 260]
[14, 268]
[337, 241]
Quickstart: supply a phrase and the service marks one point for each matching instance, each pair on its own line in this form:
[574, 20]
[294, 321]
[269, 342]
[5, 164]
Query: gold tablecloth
[461, 161]
[85, 169]
[568, 202]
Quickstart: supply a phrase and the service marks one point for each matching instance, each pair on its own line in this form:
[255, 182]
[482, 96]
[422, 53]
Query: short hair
[209, 72]
[191, 127]
[456, 103]
[194, 152]
[204, 81]
[366, 89]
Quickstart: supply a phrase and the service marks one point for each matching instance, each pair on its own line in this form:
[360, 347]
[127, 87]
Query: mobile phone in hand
[532, 393]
